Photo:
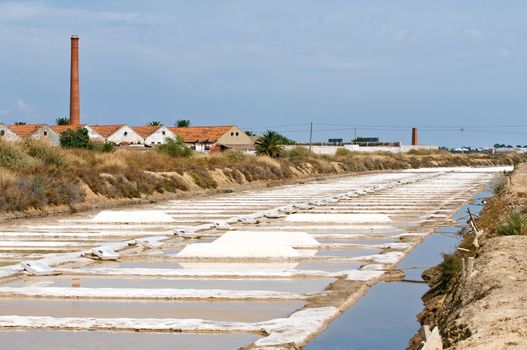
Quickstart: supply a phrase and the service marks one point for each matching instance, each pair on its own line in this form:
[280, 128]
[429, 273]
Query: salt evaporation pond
[64, 340]
[286, 285]
[385, 318]
[245, 311]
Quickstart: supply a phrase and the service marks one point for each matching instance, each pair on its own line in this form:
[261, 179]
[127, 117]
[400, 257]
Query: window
[163, 132]
[232, 133]
[125, 133]
[45, 133]
[2, 132]
[237, 133]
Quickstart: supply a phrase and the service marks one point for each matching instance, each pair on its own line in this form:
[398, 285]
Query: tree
[285, 140]
[62, 121]
[76, 139]
[250, 133]
[20, 123]
[175, 148]
[270, 144]
[183, 123]
[154, 123]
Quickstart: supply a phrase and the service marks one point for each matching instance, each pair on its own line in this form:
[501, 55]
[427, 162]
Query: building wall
[332, 150]
[159, 136]
[7, 134]
[235, 136]
[93, 135]
[127, 135]
[46, 134]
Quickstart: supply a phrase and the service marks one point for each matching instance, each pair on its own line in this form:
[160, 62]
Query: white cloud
[35, 11]
[23, 106]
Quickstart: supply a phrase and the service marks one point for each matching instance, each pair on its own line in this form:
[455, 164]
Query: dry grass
[35, 175]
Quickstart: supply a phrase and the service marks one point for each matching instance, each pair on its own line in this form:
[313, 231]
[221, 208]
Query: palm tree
[183, 123]
[62, 121]
[270, 144]
[20, 123]
[154, 123]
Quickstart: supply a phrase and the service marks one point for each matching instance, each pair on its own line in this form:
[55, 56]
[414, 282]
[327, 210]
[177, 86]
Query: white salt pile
[289, 238]
[135, 216]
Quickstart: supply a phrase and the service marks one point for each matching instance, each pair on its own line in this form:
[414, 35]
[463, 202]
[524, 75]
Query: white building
[118, 134]
[35, 131]
[154, 135]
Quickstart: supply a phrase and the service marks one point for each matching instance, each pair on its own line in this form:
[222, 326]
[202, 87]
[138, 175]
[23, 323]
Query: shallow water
[285, 285]
[384, 319]
[220, 311]
[348, 252]
[64, 340]
[328, 267]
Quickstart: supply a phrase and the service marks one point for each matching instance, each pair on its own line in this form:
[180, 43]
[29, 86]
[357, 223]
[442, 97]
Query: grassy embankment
[34, 176]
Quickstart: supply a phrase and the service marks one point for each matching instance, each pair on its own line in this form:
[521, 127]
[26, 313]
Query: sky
[351, 67]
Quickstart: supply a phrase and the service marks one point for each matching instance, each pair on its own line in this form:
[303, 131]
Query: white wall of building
[332, 150]
[7, 134]
[159, 136]
[125, 134]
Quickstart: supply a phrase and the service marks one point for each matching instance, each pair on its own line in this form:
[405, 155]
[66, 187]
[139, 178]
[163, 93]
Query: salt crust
[135, 216]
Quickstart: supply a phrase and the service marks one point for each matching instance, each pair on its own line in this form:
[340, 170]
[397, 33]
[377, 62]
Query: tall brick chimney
[75, 108]
[415, 140]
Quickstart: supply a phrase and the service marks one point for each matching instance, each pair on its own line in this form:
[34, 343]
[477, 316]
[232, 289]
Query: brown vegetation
[34, 175]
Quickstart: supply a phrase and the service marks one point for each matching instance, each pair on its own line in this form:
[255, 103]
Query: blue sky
[383, 66]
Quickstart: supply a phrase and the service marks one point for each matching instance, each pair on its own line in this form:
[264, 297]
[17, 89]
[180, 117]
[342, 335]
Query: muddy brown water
[67, 340]
[284, 285]
[219, 311]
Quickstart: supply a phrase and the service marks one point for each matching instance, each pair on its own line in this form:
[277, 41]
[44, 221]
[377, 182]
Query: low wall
[332, 150]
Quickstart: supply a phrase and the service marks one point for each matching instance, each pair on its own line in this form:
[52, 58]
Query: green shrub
[202, 178]
[298, 153]
[343, 152]
[105, 147]
[44, 152]
[451, 269]
[175, 148]
[76, 139]
[515, 224]
[12, 156]
[235, 155]
[500, 185]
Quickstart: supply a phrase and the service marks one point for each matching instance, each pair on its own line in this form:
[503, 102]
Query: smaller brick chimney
[415, 140]
[75, 108]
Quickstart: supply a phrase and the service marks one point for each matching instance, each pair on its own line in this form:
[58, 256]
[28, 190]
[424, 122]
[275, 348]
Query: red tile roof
[25, 130]
[145, 131]
[59, 129]
[193, 134]
[106, 130]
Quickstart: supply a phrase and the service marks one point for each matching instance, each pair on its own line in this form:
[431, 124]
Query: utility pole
[462, 142]
[355, 137]
[310, 135]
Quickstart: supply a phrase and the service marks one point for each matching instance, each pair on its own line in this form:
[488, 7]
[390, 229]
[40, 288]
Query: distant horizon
[380, 68]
